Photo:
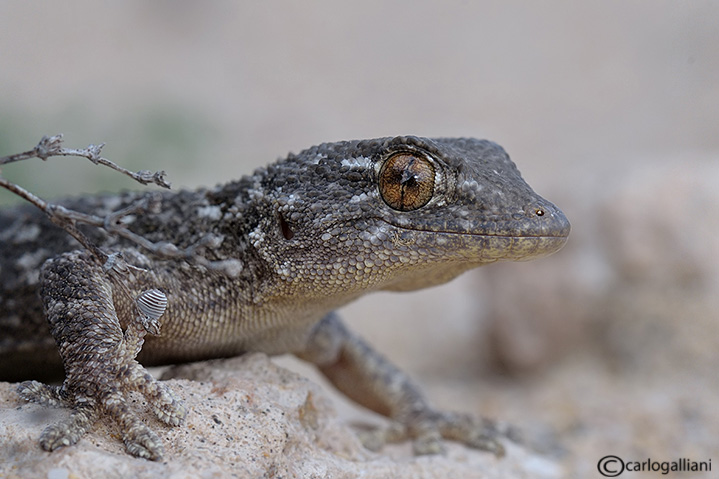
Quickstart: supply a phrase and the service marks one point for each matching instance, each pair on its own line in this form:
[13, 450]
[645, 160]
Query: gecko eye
[406, 181]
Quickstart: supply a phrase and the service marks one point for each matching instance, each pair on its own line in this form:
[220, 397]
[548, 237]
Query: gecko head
[406, 212]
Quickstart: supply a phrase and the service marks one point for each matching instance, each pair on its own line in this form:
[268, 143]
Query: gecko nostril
[539, 212]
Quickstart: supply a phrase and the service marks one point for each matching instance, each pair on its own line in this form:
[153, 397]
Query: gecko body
[296, 240]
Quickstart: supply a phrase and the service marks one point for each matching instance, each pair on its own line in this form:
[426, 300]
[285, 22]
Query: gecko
[295, 241]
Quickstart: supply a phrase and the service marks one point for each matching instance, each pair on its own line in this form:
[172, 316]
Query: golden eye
[406, 181]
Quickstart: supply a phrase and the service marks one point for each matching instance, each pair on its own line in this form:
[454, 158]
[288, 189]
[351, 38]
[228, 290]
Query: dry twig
[112, 223]
[52, 146]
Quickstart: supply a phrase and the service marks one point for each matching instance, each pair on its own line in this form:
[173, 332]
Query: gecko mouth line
[561, 235]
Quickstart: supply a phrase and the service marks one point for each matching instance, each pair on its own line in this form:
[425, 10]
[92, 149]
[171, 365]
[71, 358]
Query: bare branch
[112, 223]
[59, 219]
[52, 146]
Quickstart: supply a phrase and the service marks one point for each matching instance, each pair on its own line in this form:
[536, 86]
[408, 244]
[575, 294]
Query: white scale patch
[359, 198]
[111, 203]
[256, 237]
[470, 185]
[212, 212]
[256, 194]
[318, 157]
[284, 269]
[359, 163]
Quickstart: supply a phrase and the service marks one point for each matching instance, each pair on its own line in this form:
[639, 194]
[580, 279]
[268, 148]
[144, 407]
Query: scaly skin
[306, 235]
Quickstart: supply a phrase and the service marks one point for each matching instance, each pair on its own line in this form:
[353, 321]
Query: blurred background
[609, 108]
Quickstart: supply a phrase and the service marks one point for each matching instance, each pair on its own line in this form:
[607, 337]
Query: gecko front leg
[99, 359]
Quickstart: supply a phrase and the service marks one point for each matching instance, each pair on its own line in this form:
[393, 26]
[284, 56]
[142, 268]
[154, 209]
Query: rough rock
[248, 418]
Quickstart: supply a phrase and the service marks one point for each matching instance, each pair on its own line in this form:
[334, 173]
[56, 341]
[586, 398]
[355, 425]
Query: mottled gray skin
[305, 235]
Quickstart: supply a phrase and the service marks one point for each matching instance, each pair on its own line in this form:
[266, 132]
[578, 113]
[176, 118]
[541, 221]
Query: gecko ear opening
[285, 228]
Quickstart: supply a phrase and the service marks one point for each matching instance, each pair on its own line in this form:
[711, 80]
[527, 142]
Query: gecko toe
[43, 394]
[69, 431]
[429, 430]
[54, 437]
[141, 441]
[477, 433]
